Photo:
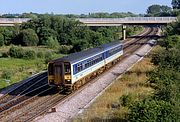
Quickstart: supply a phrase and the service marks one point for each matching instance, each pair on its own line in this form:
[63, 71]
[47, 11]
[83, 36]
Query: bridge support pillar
[124, 31]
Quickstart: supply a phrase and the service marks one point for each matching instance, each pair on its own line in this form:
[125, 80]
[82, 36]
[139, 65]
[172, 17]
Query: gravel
[79, 101]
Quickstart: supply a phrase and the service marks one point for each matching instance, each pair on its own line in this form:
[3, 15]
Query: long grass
[13, 70]
[108, 107]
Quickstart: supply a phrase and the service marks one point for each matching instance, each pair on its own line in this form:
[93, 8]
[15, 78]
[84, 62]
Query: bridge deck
[127, 20]
[101, 21]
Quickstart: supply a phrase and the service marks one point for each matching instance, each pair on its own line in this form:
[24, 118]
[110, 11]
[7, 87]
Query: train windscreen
[51, 69]
[67, 68]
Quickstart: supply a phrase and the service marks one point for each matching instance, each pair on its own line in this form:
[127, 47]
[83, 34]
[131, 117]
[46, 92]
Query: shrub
[150, 110]
[40, 54]
[48, 56]
[29, 54]
[16, 52]
[167, 83]
[126, 100]
[167, 58]
[171, 42]
[19, 52]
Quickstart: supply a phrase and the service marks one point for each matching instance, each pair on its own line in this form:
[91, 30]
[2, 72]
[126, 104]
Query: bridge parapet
[127, 20]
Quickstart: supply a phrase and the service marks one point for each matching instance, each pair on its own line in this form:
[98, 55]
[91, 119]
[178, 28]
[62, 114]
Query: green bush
[150, 110]
[167, 58]
[126, 100]
[40, 54]
[167, 84]
[19, 52]
[16, 52]
[171, 42]
[29, 54]
[48, 56]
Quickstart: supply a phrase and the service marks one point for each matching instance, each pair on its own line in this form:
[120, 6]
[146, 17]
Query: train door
[59, 80]
[51, 73]
[67, 73]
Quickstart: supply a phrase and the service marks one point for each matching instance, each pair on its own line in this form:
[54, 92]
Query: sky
[77, 6]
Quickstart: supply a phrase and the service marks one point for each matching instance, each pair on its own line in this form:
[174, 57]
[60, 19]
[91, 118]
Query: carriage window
[67, 67]
[51, 69]
[79, 67]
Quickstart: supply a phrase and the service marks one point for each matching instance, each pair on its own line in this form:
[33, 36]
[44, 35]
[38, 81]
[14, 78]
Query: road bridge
[127, 21]
[104, 21]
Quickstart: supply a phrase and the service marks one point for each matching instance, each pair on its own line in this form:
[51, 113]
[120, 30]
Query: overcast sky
[77, 6]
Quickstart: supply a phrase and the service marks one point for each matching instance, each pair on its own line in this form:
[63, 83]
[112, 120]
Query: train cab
[59, 73]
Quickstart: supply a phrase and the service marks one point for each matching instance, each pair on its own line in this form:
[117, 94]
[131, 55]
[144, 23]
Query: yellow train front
[73, 71]
[59, 73]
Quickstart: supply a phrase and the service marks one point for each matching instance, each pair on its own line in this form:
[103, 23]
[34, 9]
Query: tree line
[56, 31]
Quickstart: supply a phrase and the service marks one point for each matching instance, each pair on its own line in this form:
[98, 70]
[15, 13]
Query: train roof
[111, 45]
[75, 57]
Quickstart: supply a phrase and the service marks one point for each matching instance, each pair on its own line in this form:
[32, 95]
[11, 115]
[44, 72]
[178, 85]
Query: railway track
[137, 43]
[21, 89]
[40, 100]
[23, 92]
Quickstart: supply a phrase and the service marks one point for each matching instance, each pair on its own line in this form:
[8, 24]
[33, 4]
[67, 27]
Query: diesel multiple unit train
[74, 70]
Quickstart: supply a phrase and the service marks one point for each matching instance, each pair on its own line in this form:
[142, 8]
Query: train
[74, 70]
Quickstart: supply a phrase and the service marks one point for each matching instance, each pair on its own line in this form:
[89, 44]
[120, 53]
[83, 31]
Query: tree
[154, 9]
[175, 4]
[52, 43]
[8, 33]
[96, 39]
[157, 10]
[28, 37]
[29, 15]
[165, 8]
[79, 45]
[1, 40]
[44, 34]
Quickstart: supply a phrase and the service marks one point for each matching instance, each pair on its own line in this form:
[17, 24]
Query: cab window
[67, 69]
[51, 69]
